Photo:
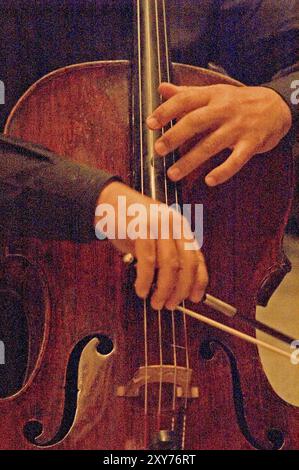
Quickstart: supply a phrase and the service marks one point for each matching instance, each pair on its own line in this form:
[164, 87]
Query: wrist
[110, 188]
[109, 193]
[284, 109]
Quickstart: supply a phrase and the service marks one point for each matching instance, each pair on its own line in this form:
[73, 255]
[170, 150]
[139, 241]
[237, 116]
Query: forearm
[42, 195]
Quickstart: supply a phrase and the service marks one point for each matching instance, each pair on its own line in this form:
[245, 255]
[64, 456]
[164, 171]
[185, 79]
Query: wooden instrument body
[72, 292]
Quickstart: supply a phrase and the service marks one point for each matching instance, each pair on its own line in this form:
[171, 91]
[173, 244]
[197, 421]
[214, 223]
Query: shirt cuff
[286, 87]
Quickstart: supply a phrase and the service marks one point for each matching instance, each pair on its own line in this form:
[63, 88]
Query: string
[142, 166]
[166, 200]
[187, 381]
[150, 151]
[142, 191]
[177, 207]
[174, 346]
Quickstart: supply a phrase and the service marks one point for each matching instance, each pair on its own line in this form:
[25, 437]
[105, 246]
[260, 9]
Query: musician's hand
[247, 120]
[181, 273]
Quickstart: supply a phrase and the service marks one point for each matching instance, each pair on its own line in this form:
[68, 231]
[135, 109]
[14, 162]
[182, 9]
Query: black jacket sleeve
[43, 195]
[257, 42]
[286, 83]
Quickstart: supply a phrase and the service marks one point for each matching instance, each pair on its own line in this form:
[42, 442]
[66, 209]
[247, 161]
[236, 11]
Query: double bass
[105, 371]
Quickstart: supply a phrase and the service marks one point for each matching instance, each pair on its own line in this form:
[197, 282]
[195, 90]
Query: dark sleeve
[257, 43]
[286, 83]
[43, 195]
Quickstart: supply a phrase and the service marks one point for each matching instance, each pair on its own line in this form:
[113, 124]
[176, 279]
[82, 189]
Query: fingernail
[156, 305]
[141, 293]
[196, 299]
[201, 295]
[153, 123]
[170, 307]
[211, 181]
[174, 174]
[161, 148]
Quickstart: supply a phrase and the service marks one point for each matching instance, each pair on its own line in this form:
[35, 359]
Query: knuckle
[259, 141]
[187, 97]
[225, 173]
[219, 88]
[192, 119]
[187, 164]
[191, 259]
[243, 158]
[228, 100]
[208, 146]
[224, 110]
[160, 114]
[194, 262]
[174, 264]
[240, 123]
[167, 140]
[226, 103]
[235, 164]
[178, 298]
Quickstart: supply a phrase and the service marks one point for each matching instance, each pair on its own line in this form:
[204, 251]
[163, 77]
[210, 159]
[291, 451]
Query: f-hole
[33, 428]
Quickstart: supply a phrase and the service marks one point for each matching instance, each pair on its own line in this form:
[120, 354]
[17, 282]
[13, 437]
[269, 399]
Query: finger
[187, 272]
[201, 280]
[209, 146]
[167, 90]
[238, 158]
[179, 104]
[195, 122]
[145, 252]
[168, 266]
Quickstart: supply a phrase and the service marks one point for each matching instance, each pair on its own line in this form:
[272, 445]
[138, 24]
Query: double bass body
[86, 326]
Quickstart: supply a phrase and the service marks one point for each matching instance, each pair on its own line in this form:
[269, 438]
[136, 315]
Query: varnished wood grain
[84, 113]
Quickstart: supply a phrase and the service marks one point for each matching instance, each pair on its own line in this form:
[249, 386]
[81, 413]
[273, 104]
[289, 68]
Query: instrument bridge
[181, 377]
